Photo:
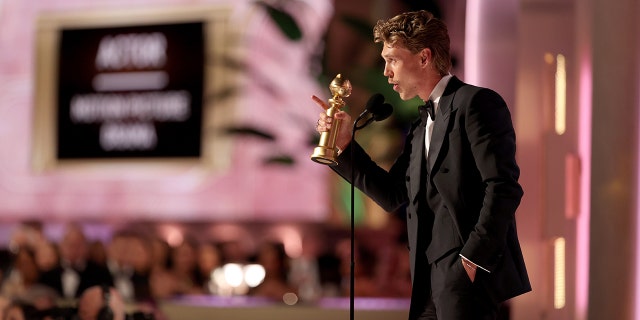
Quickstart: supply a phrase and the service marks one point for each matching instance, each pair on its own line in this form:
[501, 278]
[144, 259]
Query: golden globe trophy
[326, 152]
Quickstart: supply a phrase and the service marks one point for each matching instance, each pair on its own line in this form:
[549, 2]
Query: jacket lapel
[415, 165]
[441, 124]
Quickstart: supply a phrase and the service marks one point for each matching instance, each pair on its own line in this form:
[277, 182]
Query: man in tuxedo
[76, 272]
[457, 177]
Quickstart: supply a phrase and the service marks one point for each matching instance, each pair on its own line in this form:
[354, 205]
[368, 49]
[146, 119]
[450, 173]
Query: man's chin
[405, 97]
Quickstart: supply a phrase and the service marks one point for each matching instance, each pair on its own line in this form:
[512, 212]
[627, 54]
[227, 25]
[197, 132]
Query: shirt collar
[437, 92]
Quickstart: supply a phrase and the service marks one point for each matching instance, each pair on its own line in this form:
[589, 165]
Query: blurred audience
[47, 255]
[116, 261]
[181, 276]
[363, 271]
[22, 282]
[139, 257]
[184, 268]
[5, 263]
[97, 253]
[20, 310]
[305, 269]
[398, 283]
[273, 257]
[40, 277]
[160, 250]
[4, 303]
[75, 272]
[129, 262]
[235, 251]
[22, 275]
[101, 303]
[28, 234]
[209, 258]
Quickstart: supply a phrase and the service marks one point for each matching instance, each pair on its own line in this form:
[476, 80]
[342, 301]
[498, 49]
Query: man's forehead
[388, 48]
[392, 49]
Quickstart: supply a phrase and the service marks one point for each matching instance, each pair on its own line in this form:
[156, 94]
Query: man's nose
[387, 72]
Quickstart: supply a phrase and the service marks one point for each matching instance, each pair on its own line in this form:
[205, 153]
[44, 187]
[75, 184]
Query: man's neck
[431, 82]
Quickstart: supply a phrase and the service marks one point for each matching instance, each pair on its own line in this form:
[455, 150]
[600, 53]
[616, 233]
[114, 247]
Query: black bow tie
[426, 111]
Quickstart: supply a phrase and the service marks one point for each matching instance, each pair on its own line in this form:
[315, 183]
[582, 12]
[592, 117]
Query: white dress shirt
[435, 96]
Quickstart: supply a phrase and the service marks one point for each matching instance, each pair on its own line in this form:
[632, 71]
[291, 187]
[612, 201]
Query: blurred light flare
[290, 298]
[559, 273]
[233, 274]
[561, 95]
[236, 279]
[254, 275]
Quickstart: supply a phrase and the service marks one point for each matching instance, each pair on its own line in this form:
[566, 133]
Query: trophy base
[325, 155]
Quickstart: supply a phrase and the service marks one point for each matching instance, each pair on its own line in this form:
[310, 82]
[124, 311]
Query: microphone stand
[353, 263]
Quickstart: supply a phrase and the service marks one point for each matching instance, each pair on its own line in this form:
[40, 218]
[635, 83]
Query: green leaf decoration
[230, 62]
[284, 21]
[362, 27]
[282, 160]
[314, 138]
[249, 131]
[223, 93]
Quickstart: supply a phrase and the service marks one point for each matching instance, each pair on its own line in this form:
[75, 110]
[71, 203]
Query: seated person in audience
[209, 258]
[120, 270]
[304, 273]
[184, 268]
[4, 303]
[19, 310]
[363, 271]
[139, 257]
[41, 297]
[160, 250]
[273, 257]
[22, 287]
[76, 272]
[101, 303]
[22, 275]
[398, 281]
[97, 252]
[5, 263]
[47, 255]
[27, 234]
[181, 276]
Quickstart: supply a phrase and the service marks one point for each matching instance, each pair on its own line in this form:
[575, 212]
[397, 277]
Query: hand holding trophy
[326, 152]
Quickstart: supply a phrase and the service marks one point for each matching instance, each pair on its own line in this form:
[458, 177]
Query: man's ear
[425, 56]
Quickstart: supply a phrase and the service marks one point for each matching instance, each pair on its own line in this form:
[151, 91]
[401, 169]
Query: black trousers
[443, 291]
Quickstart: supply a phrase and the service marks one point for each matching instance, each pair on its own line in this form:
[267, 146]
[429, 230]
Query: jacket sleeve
[493, 146]
[386, 188]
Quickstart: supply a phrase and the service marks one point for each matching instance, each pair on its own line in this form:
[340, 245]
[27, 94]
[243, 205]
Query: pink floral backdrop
[246, 190]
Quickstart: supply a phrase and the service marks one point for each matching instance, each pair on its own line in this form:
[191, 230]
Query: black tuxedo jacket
[91, 275]
[464, 198]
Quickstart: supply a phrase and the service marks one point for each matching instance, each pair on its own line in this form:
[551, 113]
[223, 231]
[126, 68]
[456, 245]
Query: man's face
[403, 70]
[73, 247]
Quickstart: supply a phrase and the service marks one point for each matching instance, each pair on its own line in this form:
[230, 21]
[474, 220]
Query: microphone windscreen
[375, 101]
[381, 112]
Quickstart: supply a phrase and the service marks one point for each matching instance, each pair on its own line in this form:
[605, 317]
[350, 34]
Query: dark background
[184, 65]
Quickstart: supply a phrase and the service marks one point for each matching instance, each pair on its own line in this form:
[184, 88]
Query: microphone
[376, 109]
[381, 112]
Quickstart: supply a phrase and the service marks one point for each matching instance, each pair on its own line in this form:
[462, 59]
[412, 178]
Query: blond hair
[416, 31]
